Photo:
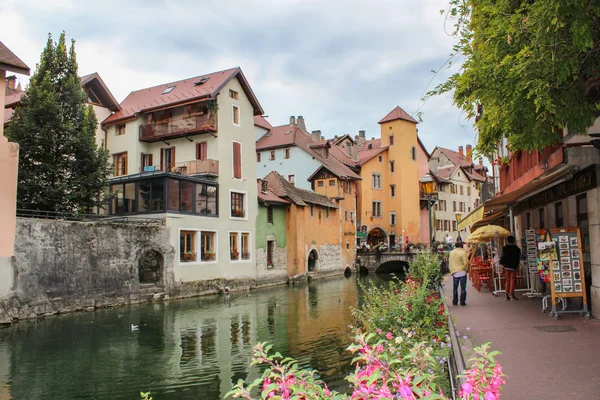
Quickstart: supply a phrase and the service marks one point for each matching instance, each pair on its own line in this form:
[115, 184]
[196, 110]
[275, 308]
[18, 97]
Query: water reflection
[192, 349]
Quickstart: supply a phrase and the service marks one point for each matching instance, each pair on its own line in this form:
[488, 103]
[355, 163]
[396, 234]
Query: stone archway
[150, 267]
[313, 260]
[398, 268]
[376, 236]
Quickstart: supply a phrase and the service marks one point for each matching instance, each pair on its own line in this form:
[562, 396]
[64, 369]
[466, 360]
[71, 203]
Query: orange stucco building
[388, 203]
[312, 229]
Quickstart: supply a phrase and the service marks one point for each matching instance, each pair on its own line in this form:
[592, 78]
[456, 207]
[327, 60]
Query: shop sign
[582, 181]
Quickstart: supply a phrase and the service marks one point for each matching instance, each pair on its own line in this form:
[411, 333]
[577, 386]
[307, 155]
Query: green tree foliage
[60, 167]
[530, 68]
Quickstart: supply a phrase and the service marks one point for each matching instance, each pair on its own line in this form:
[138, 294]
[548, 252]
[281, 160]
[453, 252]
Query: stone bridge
[383, 262]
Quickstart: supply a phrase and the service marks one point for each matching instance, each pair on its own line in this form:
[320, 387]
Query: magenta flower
[467, 387]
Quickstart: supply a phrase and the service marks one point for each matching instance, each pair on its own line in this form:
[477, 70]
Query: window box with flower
[208, 256]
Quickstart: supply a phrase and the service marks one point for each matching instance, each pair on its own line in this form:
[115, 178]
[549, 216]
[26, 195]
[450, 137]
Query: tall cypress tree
[60, 167]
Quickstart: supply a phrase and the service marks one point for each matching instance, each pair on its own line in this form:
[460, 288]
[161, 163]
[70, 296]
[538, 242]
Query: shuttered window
[167, 159]
[237, 160]
[201, 151]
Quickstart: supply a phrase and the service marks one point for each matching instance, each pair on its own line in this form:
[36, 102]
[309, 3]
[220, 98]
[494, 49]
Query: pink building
[9, 165]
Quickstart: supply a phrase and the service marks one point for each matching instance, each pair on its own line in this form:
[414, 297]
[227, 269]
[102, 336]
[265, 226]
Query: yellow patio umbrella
[487, 232]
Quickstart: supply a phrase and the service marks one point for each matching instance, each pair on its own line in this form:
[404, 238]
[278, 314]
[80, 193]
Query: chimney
[301, 123]
[316, 136]
[354, 150]
[11, 81]
[356, 138]
[469, 152]
[292, 120]
[362, 134]
[264, 186]
[460, 151]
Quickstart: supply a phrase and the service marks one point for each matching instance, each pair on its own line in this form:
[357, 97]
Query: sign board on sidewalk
[567, 277]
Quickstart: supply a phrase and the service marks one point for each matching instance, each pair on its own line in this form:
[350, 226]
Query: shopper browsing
[459, 266]
[511, 257]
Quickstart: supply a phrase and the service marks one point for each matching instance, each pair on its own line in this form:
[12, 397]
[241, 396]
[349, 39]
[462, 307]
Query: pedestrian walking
[511, 257]
[459, 267]
[448, 241]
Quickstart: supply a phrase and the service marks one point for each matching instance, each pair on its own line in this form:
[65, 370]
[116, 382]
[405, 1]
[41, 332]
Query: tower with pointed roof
[389, 200]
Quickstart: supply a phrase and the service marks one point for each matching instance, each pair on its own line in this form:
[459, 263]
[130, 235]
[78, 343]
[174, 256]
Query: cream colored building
[185, 151]
[458, 184]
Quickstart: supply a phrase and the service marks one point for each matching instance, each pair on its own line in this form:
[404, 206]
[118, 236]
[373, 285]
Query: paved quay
[538, 364]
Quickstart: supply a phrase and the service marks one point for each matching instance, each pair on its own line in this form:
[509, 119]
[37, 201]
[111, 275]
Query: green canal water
[188, 349]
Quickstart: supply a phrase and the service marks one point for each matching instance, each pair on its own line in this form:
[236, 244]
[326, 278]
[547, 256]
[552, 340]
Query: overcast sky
[343, 65]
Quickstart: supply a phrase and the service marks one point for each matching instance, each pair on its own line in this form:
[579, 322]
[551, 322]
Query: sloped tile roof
[259, 120]
[301, 197]
[454, 157]
[10, 62]
[12, 96]
[183, 91]
[365, 154]
[100, 89]
[398, 113]
[291, 135]
[269, 196]
[8, 113]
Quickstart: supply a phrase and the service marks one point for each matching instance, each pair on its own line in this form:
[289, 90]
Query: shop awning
[471, 218]
[361, 235]
[490, 218]
[526, 190]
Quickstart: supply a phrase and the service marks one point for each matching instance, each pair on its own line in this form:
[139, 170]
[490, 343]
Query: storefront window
[158, 195]
[187, 196]
[558, 212]
[206, 199]
[144, 196]
[582, 222]
[173, 195]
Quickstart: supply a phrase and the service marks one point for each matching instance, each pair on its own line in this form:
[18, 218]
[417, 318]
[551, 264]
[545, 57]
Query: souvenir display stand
[529, 266]
[561, 259]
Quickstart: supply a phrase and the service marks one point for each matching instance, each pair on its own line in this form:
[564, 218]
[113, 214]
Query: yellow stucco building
[388, 203]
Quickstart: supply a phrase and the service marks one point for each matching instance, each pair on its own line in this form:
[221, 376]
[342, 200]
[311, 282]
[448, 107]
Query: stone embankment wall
[62, 266]
[330, 260]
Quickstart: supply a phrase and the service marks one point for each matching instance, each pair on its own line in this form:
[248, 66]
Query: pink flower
[389, 336]
[467, 387]
[489, 396]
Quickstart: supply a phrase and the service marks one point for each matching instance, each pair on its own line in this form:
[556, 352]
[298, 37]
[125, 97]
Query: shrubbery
[401, 344]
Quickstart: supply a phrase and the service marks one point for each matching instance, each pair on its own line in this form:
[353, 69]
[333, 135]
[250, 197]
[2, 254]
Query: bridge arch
[397, 267]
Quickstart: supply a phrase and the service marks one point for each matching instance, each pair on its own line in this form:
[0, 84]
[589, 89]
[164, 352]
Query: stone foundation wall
[62, 266]
[330, 259]
[266, 275]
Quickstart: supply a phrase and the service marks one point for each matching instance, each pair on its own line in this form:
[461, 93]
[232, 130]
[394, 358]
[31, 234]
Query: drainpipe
[511, 220]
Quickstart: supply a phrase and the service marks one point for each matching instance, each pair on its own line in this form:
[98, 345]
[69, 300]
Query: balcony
[178, 127]
[189, 168]
[527, 166]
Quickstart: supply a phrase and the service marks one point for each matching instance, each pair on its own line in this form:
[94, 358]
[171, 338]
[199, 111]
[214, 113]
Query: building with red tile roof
[184, 151]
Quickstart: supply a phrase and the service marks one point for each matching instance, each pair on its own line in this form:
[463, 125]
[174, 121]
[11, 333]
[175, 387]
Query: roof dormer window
[200, 81]
[168, 90]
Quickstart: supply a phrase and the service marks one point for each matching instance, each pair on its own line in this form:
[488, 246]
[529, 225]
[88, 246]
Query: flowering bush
[377, 375]
[484, 379]
[401, 345]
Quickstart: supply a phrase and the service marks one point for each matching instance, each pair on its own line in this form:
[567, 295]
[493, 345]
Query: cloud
[343, 65]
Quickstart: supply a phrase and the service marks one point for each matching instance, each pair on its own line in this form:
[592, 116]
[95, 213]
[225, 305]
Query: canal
[187, 349]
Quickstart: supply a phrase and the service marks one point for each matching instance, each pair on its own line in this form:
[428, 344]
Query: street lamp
[428, 194]
[458, 217]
